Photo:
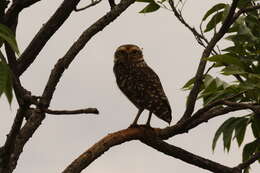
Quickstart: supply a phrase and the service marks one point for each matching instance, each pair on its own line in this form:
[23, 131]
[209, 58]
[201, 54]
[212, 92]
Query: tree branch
[79, 111]
[185, 156]
[11, 15]
[45, 33]
[37, 116]
[191, 100]
[65, 61]
[10, 141]
[147, 136]
[200, 38]
[102, 146]
[93, 3]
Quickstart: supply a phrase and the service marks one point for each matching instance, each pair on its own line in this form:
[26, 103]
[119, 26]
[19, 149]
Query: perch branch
[102, 146]
[147, 136]
[191, 100]
[78, 111]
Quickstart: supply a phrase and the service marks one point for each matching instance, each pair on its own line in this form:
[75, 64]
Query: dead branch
[72, 112]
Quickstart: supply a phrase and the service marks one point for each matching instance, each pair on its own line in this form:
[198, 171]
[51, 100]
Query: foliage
[5, 74]
[242, 61]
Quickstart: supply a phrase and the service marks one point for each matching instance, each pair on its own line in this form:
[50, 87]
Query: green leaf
[256, 126]
[5, 81]
[151, 7]
[214, 21]
[215, 8]
[220, 130]
[7, 35]
[226, 59]
[240, 130]
[188, 84]
[232, 70]
[249, 149]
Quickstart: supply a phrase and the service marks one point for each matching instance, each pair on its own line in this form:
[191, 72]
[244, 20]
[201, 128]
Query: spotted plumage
[140, 83]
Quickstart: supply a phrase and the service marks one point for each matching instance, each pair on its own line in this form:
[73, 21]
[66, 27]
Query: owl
[140, 83]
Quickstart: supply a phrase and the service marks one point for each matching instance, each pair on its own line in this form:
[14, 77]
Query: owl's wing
[148, 83]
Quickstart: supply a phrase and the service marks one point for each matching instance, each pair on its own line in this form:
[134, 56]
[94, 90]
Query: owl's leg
[137, 117]
[149, 119]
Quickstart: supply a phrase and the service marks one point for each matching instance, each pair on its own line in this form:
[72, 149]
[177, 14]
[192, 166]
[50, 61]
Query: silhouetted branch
[37, 116]
[147, 136]
[10, 141]
[191, 100]
[11, 16]
[200, 38]
[45, 33]
[78, 111]
[65, 61]
[93, 3]
[112, 3]
[185, 156]
[102, 146]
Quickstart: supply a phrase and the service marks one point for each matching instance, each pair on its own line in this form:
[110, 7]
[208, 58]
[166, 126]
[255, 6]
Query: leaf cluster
[242, 61]
[6, 35]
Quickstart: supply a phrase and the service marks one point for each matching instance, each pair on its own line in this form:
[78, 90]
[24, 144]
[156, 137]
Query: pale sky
[169, 48]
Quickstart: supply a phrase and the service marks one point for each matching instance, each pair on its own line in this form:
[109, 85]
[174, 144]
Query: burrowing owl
[140, 83]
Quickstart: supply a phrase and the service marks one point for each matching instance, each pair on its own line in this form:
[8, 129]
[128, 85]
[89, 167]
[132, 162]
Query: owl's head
[128, 53]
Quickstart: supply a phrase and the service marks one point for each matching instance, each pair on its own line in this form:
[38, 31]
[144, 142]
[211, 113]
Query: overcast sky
[169, 48]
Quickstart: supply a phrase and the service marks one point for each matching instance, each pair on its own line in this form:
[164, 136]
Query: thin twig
[199, 37]
[71, 112]
[93, 3]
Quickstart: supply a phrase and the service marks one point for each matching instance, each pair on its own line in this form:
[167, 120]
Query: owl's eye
[135, 52]
[120, 53]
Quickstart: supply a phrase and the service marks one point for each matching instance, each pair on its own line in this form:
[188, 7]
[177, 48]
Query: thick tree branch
[147, 136]
[102, 146]
[185, 156]
[72, 112]
[11, 16]
[45, 33]
[191, 100]
[65, 61]
[10, 141]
